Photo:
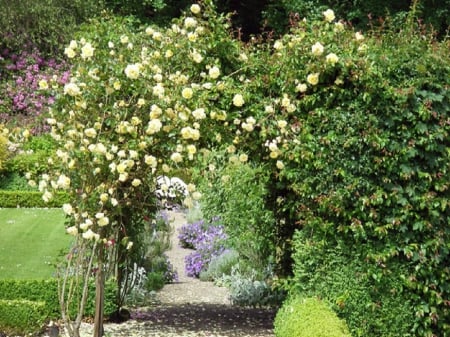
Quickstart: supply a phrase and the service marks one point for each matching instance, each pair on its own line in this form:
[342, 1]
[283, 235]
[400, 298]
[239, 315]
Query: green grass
[31, 240]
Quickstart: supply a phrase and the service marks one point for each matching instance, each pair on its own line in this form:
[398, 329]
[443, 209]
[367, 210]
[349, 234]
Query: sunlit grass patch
[31, 239]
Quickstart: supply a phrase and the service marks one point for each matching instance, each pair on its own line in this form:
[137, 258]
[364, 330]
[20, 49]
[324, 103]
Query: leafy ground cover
[30, 242]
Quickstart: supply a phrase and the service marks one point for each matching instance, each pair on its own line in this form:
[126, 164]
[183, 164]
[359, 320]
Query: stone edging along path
[191, 307]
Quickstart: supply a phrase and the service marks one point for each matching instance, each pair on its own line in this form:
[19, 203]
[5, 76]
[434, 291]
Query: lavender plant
[208, 242]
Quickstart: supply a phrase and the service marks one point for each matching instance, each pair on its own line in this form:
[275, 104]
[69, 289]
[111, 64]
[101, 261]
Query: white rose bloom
[214, 72]
[329, 15]
[332, 58]
[195, 9]
[153, 126]
[190, 22]
[87, 51]
[72, 230]
[102, 220]
[88, 235]
[176, 157]
[317, 49]
[132, 71]
[72, 89]
[238, 100]
[199, 113]
[136, 182]
[91, 133]
[151, 161]
[67, 208]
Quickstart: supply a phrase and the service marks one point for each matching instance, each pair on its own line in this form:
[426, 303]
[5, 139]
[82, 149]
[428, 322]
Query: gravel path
[191, 308]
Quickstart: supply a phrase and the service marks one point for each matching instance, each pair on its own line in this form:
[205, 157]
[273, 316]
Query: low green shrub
[249, 288]
[46, 291]
[155, 281]
[308, 317]
[30, 199]
[22, 316]
[35, 162]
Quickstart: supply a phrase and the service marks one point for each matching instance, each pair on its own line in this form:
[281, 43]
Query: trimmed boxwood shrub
[47, 291]
[21, 316]
[308, 317]
[30, 199]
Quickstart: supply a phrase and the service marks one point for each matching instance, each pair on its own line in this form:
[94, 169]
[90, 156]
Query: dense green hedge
[30, 199]
[22, 316]
[46, 291]
[308, 317]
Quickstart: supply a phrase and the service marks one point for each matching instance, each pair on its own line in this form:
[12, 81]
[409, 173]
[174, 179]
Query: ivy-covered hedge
[46, 291]
[308, 317]
[30, 199]
[20, 317]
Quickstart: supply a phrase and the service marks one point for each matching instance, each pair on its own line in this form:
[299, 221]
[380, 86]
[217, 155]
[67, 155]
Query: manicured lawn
[30, 241]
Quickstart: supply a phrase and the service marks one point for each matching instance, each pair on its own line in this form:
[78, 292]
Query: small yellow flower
[332, 58]
[136, 182]
[359, 36]
[43, 85]
[176, 157]
[132, 71]
[281, 124]
[87, 51]
[187, 93]
[243, 158]
[72, 89]
[191, 149]
[169, 53]
[278, 45]
[153, 126]
[329, 15]
[313, 79]
[317, 49]
[238, 100]
[72, 230]
[214, 72]
[199, 113]
[69, 52]
[73, 44]
[91, 133]
[190, 22]
[338, 27]
[195, 9]
[117, 85]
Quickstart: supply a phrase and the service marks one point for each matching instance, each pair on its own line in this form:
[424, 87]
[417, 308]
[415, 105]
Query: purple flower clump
[191, 233]
[207, 242]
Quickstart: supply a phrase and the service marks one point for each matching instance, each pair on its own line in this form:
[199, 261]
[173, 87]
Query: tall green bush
[3, 151]
[370, 306]
[366, 157]
[237, 193]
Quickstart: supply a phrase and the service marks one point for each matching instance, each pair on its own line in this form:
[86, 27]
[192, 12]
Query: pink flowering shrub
[25, 76]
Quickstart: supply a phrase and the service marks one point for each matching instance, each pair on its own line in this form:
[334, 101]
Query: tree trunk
[99, 294]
